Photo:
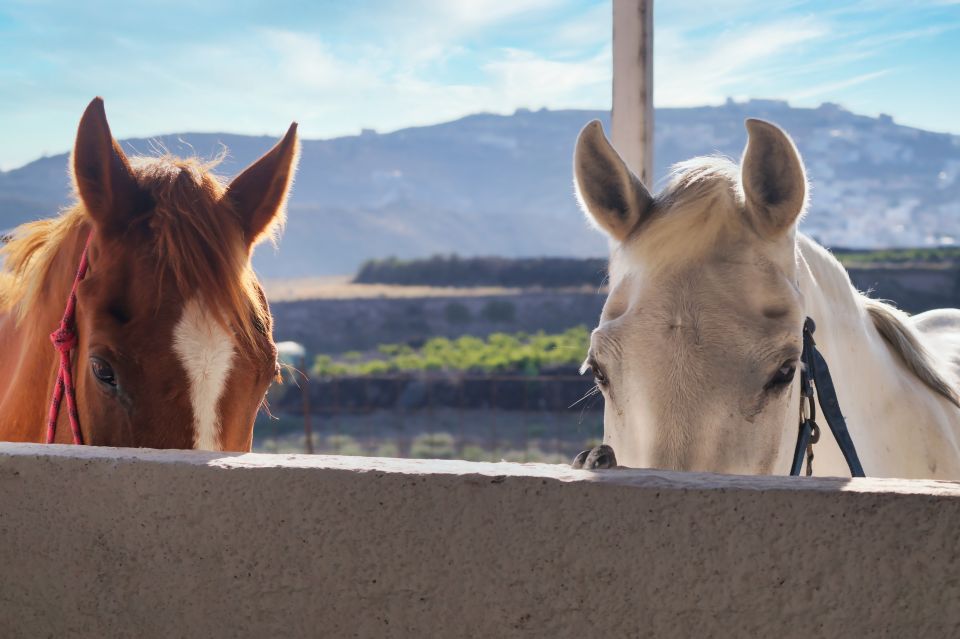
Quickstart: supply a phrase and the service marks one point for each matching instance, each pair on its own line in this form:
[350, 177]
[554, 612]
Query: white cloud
[295, 75]
[690, 71]
[478, 13]
[839, 84]
[309, 63]
[592, 28]
[521, 77]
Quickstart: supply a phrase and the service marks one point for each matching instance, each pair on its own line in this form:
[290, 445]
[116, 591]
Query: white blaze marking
[206, 351]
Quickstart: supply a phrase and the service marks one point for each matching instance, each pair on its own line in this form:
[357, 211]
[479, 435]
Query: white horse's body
[700, 337]
[900, 427]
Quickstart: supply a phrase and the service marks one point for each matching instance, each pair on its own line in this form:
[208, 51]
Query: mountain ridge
[490, 184]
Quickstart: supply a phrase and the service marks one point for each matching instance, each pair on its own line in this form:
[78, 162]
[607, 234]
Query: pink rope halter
[64, 340]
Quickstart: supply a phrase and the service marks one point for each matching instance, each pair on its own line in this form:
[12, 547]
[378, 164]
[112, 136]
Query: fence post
[632, 115]
[307, 426]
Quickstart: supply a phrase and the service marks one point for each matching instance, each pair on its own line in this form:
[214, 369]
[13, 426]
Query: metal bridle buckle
[808, 411]
[808, 417]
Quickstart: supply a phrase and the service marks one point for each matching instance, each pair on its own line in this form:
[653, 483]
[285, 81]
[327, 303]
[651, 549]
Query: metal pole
[632, 117]
[305, 390]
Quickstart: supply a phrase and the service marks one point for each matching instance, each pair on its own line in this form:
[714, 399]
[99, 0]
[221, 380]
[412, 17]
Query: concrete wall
[108, 542]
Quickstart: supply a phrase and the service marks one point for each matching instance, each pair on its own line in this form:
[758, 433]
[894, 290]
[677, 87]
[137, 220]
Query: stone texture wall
[111, 542]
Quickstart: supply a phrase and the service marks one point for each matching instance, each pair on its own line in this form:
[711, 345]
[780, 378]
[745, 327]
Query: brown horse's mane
[185, 230]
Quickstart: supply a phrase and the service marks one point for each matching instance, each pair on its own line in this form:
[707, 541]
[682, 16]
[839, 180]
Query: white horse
[700, 337]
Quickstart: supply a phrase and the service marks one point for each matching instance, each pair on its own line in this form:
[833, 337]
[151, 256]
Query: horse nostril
[579, 460]
[602, 457]
[596, 458]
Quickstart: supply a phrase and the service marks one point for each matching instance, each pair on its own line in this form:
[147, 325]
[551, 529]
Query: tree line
[453, 270]
[561, 272]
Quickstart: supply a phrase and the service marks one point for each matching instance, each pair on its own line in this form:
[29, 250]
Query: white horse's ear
[611, 195]
[774, 181]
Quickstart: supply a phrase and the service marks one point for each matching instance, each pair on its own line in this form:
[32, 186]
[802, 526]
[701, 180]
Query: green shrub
[387, 449]
[343, 445]
[499, 353]
[472, 452]
[375, 367]
[324, 366]
[433, 446]
[927, 255]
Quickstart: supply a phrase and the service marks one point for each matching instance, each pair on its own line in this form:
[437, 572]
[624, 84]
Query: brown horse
[174, 346]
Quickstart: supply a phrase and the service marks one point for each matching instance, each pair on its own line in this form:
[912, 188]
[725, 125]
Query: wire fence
[543, 418]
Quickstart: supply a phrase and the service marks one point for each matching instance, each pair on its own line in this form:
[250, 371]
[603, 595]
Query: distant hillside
[490, 184]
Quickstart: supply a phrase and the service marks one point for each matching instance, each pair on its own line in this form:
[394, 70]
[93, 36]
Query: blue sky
[247, 66]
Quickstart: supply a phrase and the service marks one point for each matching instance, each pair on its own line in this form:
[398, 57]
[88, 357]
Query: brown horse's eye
[103, 371]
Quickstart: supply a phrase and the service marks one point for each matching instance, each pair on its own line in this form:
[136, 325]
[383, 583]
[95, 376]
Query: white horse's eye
[598, 375]
[782, 377]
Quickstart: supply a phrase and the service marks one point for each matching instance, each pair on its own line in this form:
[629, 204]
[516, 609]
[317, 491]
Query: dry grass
[340, 287]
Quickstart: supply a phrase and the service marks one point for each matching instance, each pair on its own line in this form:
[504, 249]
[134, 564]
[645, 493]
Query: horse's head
[699, 339]
[174, 334]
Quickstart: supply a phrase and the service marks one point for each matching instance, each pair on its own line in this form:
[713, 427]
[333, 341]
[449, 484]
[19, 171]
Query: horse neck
[28, 356]
[898, 424]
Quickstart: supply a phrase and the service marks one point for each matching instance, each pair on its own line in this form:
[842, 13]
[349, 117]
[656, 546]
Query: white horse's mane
[691, 214]
[892, 324]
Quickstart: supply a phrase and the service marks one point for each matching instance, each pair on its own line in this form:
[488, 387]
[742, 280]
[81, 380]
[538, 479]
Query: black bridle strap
[803, 441]
[816, 373]
[809, 433]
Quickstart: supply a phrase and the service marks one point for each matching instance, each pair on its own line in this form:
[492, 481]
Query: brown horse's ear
[102, 174]
[609, 192]
[259, 194]
[774, 181]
